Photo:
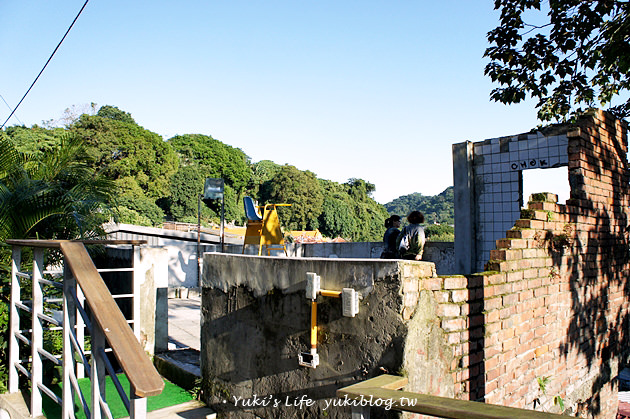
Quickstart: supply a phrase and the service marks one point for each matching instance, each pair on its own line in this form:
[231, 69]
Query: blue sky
[378, 90]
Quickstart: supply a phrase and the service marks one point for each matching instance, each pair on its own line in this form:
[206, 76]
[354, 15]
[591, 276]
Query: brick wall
[555, 290]
[553, 300]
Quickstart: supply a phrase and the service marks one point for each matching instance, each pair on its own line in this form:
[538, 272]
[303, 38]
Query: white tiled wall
[497, 166]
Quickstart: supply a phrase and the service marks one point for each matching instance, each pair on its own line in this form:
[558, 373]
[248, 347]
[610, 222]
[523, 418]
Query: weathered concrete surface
[427, 354]
[263, 274]
[14, 406]
[151, 270]
[256, 319]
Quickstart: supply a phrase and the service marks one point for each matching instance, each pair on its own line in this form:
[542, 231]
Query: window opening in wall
[554, 180]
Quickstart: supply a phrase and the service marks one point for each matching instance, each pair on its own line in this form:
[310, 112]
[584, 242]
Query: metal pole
[222, 223]
[198, 240]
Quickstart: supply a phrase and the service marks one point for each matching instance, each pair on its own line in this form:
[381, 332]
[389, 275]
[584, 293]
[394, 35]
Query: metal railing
[75, 302]
[384, 392]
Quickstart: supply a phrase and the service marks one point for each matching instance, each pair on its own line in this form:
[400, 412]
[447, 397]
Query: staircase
[72, 303]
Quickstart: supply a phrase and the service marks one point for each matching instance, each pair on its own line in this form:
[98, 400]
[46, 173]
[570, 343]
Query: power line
[16, 117]
[45, 65]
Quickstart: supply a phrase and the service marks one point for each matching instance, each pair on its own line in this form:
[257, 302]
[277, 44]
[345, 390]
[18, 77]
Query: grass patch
[171, 395]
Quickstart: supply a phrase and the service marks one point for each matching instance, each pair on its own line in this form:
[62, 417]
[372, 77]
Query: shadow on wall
[182, 267]
[598, 266]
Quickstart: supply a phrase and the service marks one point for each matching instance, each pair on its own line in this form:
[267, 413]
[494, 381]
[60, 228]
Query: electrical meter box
[349, 302]
[307, 359]
[312, 285]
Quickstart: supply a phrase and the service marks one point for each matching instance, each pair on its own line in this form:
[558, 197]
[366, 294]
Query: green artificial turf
[171, 395]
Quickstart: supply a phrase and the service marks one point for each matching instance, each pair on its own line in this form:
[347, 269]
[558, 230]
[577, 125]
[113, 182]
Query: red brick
[431, 284]
[459, 296]
[455, 282]
[511, 244]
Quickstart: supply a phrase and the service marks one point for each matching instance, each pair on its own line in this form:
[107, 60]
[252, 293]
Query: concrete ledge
[262, 274]
[14, 406]
[180, 367]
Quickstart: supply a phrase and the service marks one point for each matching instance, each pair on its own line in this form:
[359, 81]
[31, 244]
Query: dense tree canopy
[262, 171]
[436, 209]
[154, 180]
[211, 159]
[370, 216]
[337, 218]
[578, 58]
[35, 141]
[218, 160]
[298, 188]
[127, 152]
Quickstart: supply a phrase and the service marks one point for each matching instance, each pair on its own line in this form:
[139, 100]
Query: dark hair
[390, 221]
[415, 217]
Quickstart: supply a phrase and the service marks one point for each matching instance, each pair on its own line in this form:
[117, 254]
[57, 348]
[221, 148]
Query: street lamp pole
[199, 240]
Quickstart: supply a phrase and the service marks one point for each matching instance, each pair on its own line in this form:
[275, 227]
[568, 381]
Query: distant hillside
[436, 209]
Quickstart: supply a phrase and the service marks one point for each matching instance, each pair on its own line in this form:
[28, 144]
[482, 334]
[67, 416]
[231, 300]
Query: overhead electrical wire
[8, 106]
[45, 65]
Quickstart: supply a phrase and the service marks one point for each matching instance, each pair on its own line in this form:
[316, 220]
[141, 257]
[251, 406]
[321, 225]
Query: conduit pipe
[350, 303]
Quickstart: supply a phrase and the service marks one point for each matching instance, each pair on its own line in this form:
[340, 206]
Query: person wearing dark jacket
[390, 237]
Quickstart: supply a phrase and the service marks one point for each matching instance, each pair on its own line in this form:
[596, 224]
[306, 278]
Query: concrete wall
[181, 250]
[181, 247]
[256, 319]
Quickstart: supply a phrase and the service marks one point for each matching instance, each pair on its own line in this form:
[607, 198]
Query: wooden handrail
[141, 373]
[144, 379]
[55, 244]
[386, 387]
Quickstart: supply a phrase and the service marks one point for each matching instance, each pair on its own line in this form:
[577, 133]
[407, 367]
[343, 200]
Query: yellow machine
[263, 230]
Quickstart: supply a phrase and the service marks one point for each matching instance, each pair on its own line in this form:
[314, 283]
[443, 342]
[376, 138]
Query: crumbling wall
[488, 187]
[555, 293]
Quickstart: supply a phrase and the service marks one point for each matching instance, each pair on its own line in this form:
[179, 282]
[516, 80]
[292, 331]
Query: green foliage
[52, 195]
[440, 232]
[217, 159]
[349, 212]
[129, 216]
[35, 141]
[436, 209]
[112, 112]
[55, 196]
[262, 171]
[186, 186]
[337, 218]
[543, 382]
[298, 188]
[123, 150]
[370, 215]
[145, 209]
[213, 159]
[580, 58]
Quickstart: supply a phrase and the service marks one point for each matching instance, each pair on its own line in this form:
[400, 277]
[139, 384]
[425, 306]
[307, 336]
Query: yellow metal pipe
[327, 293]
[313, 324]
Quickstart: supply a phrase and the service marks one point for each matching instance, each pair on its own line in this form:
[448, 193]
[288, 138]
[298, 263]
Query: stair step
[193, 409]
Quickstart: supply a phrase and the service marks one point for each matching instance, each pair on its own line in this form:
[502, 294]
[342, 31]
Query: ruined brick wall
[555, 290]
[553, 301]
